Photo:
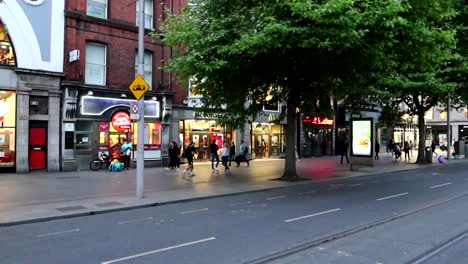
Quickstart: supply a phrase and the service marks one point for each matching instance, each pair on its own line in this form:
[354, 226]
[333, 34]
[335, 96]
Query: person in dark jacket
[343, 150]
[189, 156]
[174, 152]
[214, 156]
[232, 153]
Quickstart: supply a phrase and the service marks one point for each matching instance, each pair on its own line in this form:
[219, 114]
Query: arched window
[7, 54]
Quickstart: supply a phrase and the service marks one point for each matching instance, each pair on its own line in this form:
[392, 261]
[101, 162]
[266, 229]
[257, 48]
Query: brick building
[101, 47]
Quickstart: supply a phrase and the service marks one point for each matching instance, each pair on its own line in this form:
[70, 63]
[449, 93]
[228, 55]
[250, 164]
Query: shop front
[103, 125]
[318, 134]
[7, 130]
[202, 133]
[30, 75]
[268, 140]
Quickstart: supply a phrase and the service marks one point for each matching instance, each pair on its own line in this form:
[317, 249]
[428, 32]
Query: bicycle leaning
[102, 160]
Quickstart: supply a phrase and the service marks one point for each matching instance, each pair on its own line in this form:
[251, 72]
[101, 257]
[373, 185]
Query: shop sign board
[362, 137]
[139, 87]
[121, 121]
[325, 121]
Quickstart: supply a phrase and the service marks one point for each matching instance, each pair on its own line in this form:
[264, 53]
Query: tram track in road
[433, 252]
[318, 241]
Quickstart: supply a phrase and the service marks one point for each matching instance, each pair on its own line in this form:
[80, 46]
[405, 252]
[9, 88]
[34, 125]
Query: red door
[37, 148]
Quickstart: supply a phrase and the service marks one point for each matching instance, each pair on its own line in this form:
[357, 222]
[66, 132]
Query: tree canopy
[243, 52]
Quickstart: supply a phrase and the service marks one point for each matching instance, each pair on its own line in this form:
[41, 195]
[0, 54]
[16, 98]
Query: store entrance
[116, 139]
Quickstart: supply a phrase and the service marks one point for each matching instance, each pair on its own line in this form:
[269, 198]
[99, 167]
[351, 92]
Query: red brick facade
[120, 34]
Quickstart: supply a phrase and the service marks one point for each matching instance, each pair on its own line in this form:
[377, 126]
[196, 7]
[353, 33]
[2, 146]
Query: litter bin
[428, 154]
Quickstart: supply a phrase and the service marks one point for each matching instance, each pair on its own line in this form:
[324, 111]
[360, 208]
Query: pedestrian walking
[243, 151]
[174, 152]
[406, 149]
[225, 157]
[433, 148]
[127, 148]
[397, 150]
[214, 156]
[343, 150]
[232, 153]
[391, 146]
[377, 150]
[189, 156]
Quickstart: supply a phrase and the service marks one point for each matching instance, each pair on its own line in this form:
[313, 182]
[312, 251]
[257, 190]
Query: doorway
[37, 147]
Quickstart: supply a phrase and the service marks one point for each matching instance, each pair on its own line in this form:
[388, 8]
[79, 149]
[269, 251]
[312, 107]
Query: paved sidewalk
[40, 196]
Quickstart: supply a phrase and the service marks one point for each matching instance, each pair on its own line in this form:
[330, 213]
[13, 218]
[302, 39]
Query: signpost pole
[141, 105]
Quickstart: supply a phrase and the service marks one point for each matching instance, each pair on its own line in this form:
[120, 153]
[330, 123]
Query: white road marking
[312, 215]
[392, 196]
[135, 220]
[235, 204]
[59, 233]
[356, 184]
[194, 211]
[309, 192]
[276, 197]
[440, 185]
[159, 250]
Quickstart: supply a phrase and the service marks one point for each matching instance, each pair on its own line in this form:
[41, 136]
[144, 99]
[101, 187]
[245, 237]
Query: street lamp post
[141, 105]
[449, 137]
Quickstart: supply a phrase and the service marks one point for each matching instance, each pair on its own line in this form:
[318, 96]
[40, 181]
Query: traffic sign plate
[139, 87]
[134, 108]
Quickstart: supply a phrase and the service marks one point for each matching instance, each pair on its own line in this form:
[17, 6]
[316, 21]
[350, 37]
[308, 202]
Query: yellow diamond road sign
[139, 87]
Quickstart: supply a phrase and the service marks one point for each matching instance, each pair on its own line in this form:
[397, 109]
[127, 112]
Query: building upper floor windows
[148, 68]
[148, 13]
[97, 8]
[95, 68]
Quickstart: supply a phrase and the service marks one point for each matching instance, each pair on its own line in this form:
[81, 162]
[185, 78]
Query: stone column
[53, 131]
[22, 130]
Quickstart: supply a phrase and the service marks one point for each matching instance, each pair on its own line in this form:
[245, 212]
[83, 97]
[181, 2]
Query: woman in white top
[225, 156]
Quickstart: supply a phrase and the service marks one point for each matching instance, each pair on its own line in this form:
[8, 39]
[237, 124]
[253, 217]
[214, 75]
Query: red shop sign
[121, 121]
[103, 126]
[318, 120]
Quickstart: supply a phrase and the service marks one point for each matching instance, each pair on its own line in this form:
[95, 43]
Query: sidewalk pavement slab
[43, 196]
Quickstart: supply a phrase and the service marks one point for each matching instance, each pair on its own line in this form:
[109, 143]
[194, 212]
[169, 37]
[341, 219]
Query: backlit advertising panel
[361, 137]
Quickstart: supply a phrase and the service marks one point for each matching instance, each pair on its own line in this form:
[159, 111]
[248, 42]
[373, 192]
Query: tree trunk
[422, 138]
[290, 162]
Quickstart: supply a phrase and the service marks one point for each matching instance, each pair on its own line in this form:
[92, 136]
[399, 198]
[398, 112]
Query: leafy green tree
[422, 51]
[243, 52]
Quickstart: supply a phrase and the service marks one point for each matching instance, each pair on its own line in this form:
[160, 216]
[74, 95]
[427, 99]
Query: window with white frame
[96, 8]
[148, 13]
[148, 67]
[95, 68]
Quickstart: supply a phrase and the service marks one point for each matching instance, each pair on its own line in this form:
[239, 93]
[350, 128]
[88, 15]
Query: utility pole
[141, 104]
[449, 138]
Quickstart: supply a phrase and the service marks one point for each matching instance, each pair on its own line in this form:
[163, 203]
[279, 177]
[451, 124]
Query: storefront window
[7, 55]
[7, 128]
[202, 133]
[152, 133]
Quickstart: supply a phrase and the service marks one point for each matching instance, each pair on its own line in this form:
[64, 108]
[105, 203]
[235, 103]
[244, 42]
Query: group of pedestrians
[228, 154]
[396, 149]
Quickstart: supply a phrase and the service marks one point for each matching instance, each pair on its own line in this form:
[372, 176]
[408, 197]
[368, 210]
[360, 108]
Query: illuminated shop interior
[7, 54]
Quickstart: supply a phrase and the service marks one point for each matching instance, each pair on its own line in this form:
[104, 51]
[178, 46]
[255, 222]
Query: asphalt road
[245, 228]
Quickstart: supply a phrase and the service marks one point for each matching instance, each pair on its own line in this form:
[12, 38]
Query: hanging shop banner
[362, 137]
[121, 121]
